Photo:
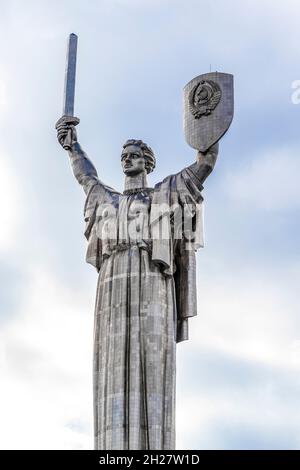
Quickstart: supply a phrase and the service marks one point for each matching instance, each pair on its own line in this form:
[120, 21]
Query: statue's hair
[150, 160]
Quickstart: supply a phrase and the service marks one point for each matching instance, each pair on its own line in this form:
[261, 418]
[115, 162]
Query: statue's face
[133, 161]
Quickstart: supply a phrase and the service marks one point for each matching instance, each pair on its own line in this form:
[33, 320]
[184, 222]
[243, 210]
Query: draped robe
[145, 294]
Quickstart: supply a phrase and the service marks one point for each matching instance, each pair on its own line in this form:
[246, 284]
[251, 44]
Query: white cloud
[251, 313]
[270, 181]
[241, 362]
[46, 386]
[3, 97]
[11, 205]
[229, 414]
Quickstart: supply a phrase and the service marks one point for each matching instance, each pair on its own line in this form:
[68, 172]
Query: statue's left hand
[213, 150]
[210, 156]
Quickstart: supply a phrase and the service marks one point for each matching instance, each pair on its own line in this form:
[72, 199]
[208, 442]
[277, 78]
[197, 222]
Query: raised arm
[205, 163]
[83, 169]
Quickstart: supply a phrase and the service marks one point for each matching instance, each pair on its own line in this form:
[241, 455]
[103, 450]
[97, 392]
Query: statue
[146, 286]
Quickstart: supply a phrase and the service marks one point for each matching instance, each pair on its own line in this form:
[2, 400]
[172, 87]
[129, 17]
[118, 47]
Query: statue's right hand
[66, 132]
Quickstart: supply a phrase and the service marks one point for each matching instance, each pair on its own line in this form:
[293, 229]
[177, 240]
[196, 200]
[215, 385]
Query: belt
[147, 245]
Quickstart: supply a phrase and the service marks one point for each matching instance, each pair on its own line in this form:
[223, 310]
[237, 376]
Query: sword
[69, 91]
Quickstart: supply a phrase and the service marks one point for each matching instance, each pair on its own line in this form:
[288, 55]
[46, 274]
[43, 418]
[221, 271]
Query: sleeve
[176, 254]
[189, 190]
[97, 195]
[186, 291]
[199, 171]
[83, 168]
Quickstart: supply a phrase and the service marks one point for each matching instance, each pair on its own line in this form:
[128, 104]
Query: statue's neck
[136, 181]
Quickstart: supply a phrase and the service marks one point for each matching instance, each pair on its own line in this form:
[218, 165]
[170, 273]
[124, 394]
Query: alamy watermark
[295, 97]
[135, 222]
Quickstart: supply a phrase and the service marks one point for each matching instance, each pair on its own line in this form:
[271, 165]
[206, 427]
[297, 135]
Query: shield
[208, 109]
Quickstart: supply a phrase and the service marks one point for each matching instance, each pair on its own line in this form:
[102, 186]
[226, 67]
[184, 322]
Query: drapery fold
[175, 231]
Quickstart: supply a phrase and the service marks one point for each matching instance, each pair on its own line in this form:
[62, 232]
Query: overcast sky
[238, 381]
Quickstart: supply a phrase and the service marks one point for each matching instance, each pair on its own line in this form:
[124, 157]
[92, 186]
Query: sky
[238, 377]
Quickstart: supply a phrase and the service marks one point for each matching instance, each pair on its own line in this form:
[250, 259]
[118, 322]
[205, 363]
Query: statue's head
[137, 157]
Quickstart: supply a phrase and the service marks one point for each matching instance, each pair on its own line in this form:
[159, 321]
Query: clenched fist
[66, 132]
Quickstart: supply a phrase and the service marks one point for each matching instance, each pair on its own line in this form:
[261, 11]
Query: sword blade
[69, 94]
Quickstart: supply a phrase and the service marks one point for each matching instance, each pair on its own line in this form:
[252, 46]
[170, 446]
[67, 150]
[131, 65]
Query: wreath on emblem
[204, 97]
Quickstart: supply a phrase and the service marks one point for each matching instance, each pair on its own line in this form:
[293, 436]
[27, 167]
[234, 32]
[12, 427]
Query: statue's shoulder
[101, 189]
[99, 193]
[167, 181]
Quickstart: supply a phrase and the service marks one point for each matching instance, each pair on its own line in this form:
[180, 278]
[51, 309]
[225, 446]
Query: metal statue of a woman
[142, 242]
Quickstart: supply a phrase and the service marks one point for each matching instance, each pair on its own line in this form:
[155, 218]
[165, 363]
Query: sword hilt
[73, 121]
